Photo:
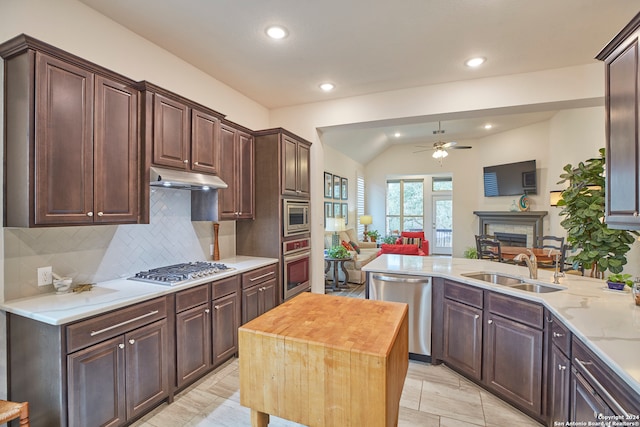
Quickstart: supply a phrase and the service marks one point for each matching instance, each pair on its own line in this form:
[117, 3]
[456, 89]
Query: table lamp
[336, 225]
[366, 220]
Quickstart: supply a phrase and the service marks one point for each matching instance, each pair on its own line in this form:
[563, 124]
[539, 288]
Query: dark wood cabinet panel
[227, 172]
[462, 338]
[269, 295]
[304, 160]
[97, 385]
[63, 143]
[259, 292]
[245, 160]
[225, 321]
[237, 170]
[622, 73]
[512, 361]
[558, 386]
[205, 129]
[586, 405]
[295, 167]
[171, 142]
[193, 343]
[116, 142]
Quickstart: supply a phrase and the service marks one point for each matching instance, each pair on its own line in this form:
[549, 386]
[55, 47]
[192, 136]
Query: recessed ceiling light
[277, 32]
[327, 87]
[488, 126]
[475, 62]
[397, 134]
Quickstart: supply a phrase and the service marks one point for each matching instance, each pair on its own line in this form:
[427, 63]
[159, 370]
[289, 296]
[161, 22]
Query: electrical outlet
[211, 249]
[45, 276]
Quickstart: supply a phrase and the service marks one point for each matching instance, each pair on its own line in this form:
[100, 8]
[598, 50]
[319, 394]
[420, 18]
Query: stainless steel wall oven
[296, 266]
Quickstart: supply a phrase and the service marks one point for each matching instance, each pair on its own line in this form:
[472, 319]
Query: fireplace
[511, 239]
[527, 223]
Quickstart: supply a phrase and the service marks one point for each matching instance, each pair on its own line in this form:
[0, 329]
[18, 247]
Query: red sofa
[403, 247]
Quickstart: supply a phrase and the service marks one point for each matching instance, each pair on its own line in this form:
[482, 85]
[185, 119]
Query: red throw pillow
[354, 246]
[347, 246]
[399, 249]
[418, 234]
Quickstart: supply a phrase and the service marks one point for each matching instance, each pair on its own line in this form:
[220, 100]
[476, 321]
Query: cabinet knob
[196, 163]
[132, 341]
[121, 346]
[217, 307]
[557, 335]
[489, 321]
[100, 213]
[185, 161]
[562, 367]
[206, 310]
[635, 213]
[89, 213]
[477, 316]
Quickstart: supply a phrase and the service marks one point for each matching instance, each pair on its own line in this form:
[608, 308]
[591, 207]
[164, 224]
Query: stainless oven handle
[262, 276]
[297, 256]
[599, 386]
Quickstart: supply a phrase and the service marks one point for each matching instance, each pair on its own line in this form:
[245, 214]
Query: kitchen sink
[513, 282]
[495, 278]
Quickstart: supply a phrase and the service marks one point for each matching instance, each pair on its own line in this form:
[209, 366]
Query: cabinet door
[250, 309]
[268, 296]
[147, 373]
[245, 193]
[622, 142]
[512, 362]
[116, 152]
[193, 343]
[64, 143]
[559, 381]
[225, 316]
[170, 133]
[228, 173]
[289, 166]
[205, 129]
[462, 337]
[303, 175]
[586, 405]
[96, 385]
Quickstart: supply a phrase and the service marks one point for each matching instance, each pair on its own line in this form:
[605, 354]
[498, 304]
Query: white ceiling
[368, 46]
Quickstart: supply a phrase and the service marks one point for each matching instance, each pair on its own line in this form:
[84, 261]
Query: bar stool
[12, 410]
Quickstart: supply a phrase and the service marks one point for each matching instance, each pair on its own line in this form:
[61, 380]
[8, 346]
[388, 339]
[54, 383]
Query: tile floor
[433, 396]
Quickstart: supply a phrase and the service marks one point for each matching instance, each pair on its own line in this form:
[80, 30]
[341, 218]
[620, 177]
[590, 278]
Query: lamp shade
[336, 224]
[554, 197]
[366, 219]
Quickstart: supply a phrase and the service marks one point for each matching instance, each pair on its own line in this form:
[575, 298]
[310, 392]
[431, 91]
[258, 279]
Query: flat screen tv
[511, 179]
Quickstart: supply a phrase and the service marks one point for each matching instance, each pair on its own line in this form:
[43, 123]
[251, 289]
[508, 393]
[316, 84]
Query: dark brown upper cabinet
[181, 134]
[622, 75]
[295, 171]
[72, 144]
[236, 169]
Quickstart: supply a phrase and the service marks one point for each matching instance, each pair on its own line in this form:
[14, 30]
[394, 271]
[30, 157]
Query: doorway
[442, 224]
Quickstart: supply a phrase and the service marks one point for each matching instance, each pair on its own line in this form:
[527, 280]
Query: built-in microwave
[295, 217]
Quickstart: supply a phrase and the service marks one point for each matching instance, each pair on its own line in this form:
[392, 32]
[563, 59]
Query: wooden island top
[325, 360]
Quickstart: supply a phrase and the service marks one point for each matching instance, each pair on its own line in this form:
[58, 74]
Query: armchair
[367, 252]
[414, 238]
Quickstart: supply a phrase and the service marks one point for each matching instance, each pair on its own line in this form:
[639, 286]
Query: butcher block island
[324, 360]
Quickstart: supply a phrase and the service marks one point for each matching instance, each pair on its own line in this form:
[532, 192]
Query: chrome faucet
[531, 261]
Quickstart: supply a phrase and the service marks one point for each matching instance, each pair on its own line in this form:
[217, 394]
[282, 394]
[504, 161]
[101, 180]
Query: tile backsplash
[91, 254]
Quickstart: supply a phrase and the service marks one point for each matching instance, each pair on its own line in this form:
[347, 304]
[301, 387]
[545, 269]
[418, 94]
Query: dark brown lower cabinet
[225, 321]
[462, 337]
[558, 386]
[586, 403]
[118, 379]
[193, 343]
[513, 362]
[259, 292]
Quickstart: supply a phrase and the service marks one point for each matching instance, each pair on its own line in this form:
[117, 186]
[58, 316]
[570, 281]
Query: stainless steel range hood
[161, 177]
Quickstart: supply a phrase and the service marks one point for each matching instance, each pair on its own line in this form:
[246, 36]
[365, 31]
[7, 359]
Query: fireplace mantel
[526, 218]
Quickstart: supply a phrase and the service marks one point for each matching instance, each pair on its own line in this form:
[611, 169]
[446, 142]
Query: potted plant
[390, 240]
[373, 235]
[583, 201]
[619, 281]
[338, 252]
[471, 253]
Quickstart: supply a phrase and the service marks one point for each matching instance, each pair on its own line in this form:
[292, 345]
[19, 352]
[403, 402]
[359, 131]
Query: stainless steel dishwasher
[416, 292]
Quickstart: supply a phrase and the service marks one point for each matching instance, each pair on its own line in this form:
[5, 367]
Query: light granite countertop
[608, 322]
[56, 309]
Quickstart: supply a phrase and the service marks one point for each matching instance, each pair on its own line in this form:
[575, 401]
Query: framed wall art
[328, 212]
[328, 185]
[337, 210]
[336, 187]
[344, 211]
[344, 182]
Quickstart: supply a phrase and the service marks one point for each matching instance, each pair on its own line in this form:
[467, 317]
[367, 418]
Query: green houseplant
[471, 253]
[373, 235]
[619, 281]
[583, 207]
[390, 240]
[338, 252]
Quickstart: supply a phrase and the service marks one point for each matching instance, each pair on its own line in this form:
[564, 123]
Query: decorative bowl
[62, 285]
[616, 286]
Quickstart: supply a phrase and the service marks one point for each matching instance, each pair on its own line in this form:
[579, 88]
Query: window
[405, 206]
[359, 203]
[441, 184]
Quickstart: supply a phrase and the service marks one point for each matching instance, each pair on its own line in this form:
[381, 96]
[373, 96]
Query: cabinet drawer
[109, 325]
[224, 287]
[560, 335]
[463, 293]
[516, 309]
[193, 297]
[259, 275]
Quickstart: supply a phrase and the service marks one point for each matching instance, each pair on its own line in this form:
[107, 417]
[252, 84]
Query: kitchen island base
[323, 360]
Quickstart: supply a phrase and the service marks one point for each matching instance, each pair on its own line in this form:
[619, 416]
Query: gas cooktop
[179, 274]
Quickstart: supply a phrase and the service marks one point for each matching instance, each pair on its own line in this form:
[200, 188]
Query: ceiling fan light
[277, 32]
[439, 154]
[475, 62]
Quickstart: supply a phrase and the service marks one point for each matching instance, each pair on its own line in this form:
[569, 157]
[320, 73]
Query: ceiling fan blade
[449, 144]
[460, 147]
[423, 150]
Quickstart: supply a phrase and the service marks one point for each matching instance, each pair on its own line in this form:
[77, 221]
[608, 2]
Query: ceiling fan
[440, 147]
